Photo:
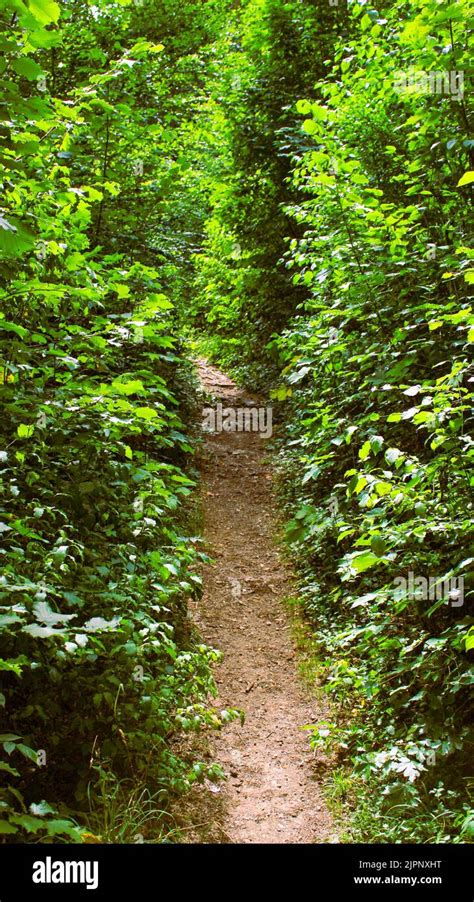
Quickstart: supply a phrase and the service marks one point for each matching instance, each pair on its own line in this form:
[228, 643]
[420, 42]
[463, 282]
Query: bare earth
[271, 794]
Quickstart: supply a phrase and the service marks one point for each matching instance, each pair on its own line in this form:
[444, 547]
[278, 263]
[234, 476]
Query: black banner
[60, 872]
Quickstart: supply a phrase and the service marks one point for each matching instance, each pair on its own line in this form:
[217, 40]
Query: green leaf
[27, 752]
[145, 413]
[466, 179]
[7, 619]
[57, 826]
[41, 632]
[14, 327]
[41, 808]
[128, 388]
[364, 561]
[392, 454]
[15, 239]
[377, 544]
[303, 107]
[364, 451]
[27, 67]
[29, 823]
[8, 769]
[25, 431]
[469, 640]
[310, 127]
[99, 623]
[123, 291]
[44, 11]
[45, 614]
[6, 827]
[376, 442]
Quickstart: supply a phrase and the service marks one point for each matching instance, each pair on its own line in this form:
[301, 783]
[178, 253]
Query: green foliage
[348, 162]
[292, 179]
[272, 52]
[100, 671]
[379, 409]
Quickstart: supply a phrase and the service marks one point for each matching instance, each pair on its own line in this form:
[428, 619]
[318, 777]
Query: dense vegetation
[361, 192]
[99, 671]
[276, 177]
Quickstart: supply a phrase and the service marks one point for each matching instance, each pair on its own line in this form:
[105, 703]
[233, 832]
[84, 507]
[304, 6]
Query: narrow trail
[271, 793]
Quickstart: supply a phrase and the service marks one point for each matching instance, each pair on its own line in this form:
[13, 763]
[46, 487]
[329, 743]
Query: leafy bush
[353, 170]
[99, 669]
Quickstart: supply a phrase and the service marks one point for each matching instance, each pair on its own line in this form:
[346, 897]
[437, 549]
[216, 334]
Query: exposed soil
[271, 793]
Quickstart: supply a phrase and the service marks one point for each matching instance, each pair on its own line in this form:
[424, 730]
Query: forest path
[271, 794]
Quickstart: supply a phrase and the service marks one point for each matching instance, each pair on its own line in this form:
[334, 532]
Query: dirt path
[271, 794]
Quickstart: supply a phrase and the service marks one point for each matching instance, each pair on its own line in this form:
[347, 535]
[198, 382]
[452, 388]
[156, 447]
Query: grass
[122, 811]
